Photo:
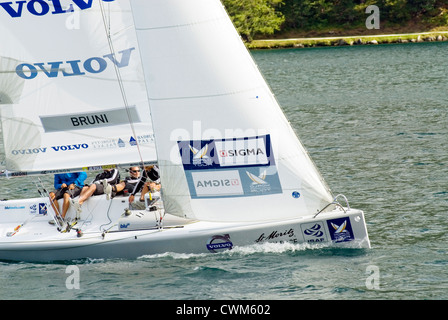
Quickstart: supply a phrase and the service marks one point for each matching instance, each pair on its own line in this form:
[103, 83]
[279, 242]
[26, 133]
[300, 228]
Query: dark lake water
[374, 119]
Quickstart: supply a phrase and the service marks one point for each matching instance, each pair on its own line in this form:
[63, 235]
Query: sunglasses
[135, 170]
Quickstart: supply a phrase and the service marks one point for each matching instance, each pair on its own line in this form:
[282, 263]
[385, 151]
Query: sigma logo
[73, 67]
[217, 183]
[242, 152]
[42, 8]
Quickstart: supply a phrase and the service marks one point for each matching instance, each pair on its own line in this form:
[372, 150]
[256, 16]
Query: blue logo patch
[340, 230]
[132, 141]
[43, 209]
[219, 243]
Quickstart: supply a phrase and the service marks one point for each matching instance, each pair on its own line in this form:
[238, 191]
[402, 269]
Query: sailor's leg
[54, 203]
[65, 204]
[86, 193]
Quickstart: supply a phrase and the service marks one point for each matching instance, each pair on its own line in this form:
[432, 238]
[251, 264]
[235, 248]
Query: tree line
[257, 18]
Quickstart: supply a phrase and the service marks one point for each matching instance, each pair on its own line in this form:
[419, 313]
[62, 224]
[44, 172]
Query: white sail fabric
[226, 151]
[67, 90]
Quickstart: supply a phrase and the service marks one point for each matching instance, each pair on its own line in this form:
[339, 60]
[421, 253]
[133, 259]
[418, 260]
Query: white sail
[70, 82]
[226, 151]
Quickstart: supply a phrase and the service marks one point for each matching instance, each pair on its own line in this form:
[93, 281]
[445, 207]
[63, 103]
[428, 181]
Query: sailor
[151, 172]
[67, 186]
[129, 184]
[136, 182]
[102, 184]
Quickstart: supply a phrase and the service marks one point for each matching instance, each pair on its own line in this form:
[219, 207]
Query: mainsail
[71, 83]
[226, 150]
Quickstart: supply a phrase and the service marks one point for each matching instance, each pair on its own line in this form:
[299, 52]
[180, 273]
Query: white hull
[39, 241]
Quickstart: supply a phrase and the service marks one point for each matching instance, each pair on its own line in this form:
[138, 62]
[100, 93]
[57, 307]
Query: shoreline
[437, 36]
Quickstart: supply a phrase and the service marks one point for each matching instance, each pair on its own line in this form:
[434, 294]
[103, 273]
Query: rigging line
[46, 194]
[107, 29]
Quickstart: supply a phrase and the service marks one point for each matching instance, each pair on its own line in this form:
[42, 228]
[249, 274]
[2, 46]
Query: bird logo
[257, 180]
[200, 157]
[341, 228]
[199, 154]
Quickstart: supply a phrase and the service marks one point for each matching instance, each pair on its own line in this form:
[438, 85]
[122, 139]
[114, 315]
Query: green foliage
[261, 17]
[252, 17]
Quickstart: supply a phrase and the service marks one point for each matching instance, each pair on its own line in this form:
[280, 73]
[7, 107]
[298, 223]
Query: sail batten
[179, 25]
[207, 96]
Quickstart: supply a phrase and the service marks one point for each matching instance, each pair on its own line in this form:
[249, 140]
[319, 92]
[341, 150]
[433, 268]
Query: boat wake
[264, 248]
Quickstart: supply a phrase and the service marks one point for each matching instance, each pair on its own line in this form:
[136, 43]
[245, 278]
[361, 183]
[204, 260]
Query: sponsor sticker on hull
[340, 229]
[219, 243]
[314, 232]
[279, 236]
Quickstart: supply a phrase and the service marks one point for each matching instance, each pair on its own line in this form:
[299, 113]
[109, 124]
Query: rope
[106, 23]
[46, 194]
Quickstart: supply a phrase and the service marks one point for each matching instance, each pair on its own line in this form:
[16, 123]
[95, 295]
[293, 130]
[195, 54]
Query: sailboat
[91, 84]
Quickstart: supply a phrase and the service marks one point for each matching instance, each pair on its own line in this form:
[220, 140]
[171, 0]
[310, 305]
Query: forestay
[71, 83]
[226, 151]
